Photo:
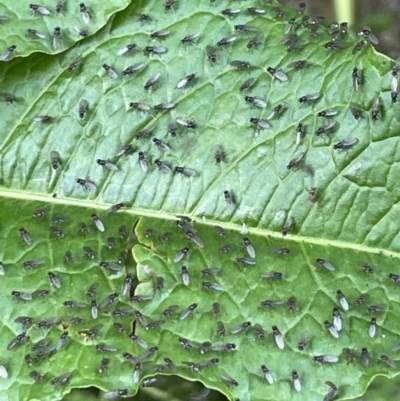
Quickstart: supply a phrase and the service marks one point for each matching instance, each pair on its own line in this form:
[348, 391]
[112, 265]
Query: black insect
[275, 111]
[372, 327]
[296, 160]
[259, 122]
[349, 354]
[68, 257]
[90, 333]
[103, 365]
[226, 40]
[74, 304]
[296, 45]
[28, 360]
[155, 49]
[333, 392]
[170, 311]
[115, 208]
[273, 275]
[75, 64]
[143, 17]
[160, 34]
[366, 32]
[324, 263]
[211, 53]
[19, 339]
[230, 11]
[355, 111]
[36, 34]
[375, 109]
[83, 107]
[98, 223]
[345, 144]
[389, 362]
[230, 380]
[161, 145]
[25, 236]
[302, 7]
[356, 79]
[62, 340]
[331, 328]
[56, 37]
[33, 263]
[337, 319]
[84, 13]
[89, 252]
[39, 9]
[187, 172]
[289, 39]
[289, 26]
[81, 32]
[54, 280]
[298, 64]
[242, 261]
[334, 45]
[190, 38]
[61, 379]
[152, 80]
[327, 113]
[326, 358]
[359, 46]
[132, 69]
[240, 328]
[255, 101]
[377, 308]
[110, 71]
[394, 89]
[278, 74]
[367, 268]
[254, 41]
[304, 340]
[44, 119]
[91, 292]
[186, 123]
[228, 197]
[365, 356]
[188, 311]
[255, 10]
[325, 128]
[310, 96]
[126, 49]
[142, 161]
[267, 374]
[283, 250]
[107, 164]
[246, 28]
[220, 329]
[87, 185]
[246, 84]
[59, 6]
[141, 297]
[145, 132]
[241, 64]
[25, 296]
[164, 106]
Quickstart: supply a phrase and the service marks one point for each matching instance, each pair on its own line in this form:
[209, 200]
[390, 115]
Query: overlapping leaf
[32, 29]
[351, 220]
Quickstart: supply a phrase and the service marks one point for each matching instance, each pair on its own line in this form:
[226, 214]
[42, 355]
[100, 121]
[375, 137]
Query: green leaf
[33, 29]
[350, 220]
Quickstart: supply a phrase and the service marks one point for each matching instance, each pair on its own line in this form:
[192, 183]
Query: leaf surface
[351, 221]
